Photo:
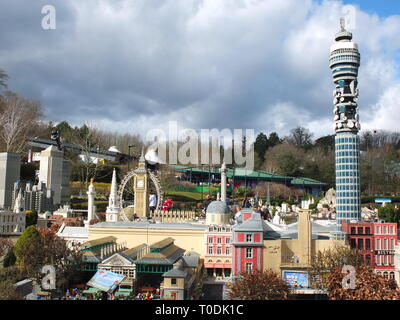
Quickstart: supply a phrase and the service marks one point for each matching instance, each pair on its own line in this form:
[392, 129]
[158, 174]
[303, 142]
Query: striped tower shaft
[344, 63]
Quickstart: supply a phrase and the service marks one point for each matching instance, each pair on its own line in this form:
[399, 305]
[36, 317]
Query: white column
[223, 182]
[91, 194]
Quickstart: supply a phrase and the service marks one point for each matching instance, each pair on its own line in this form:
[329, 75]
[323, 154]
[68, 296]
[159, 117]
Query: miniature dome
[218, 207]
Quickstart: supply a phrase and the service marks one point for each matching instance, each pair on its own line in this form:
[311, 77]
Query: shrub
[27, 236]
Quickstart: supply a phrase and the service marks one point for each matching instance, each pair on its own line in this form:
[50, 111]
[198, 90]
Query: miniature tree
[5, 245]
[367, 286]
[27, 236]
[48, 249]
[267, 285]
[325, 262]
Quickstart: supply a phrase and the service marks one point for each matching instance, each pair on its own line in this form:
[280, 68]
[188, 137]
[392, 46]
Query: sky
[132, 65]
[383, 8]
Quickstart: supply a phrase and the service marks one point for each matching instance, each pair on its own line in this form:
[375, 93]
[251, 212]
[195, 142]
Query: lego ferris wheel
[143, 177]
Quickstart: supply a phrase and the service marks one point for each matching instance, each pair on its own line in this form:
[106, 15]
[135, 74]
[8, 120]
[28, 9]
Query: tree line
[298, 155]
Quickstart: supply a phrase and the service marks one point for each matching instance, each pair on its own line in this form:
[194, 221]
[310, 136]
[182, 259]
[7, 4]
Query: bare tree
[17, 118]
[328, 260]
[87, 139]
[300, 136]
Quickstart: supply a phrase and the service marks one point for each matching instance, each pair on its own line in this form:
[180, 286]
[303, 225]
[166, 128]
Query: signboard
[385, 252]
[383, 200]
[106, 280]
[296, 279]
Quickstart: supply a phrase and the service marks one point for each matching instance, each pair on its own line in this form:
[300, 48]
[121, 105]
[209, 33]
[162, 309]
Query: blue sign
[106, 280]
[383, 200]
[296, 279]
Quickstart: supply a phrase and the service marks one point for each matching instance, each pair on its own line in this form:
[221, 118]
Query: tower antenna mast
[342, 24]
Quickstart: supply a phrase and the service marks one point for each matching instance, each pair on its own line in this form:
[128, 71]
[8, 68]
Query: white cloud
[386, 113]
[131, 65]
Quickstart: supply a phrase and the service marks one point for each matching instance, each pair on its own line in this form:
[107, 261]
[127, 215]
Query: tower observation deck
[344, 62]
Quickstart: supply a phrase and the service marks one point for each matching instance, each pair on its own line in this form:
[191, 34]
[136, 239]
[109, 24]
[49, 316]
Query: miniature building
[259, 245]
[344, 62]
[218, 213]
[10, 166]
[188, 236]
[180, 282]
[218, 250]
[51, 171]
[376, 242]
[397, 263]
[248, 244]
[12, 222]
[124, 263]
[163, 254]
[65, 211]
[95, 251]
[141, 182]
[37, 198]
[65, 179]
[78, 235]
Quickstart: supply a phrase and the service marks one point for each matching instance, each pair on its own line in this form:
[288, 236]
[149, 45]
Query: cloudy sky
[131, 65]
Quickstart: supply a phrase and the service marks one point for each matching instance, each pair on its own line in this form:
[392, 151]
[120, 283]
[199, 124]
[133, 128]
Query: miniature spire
[142, 159]
[114, 182]
[113, 202]
[223, 181]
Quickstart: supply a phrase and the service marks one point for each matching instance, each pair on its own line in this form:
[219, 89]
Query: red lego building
[218, 251]
[248, 244]
[376, 242]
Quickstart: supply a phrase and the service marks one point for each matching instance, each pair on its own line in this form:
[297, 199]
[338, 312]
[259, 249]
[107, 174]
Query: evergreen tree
[27, 236]
[273, 140]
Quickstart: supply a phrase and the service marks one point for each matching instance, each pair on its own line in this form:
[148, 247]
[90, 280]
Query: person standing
[152, 202]
[246, 203]
[207, 202]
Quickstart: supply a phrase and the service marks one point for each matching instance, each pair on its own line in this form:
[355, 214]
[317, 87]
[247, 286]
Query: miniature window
[249, 267]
